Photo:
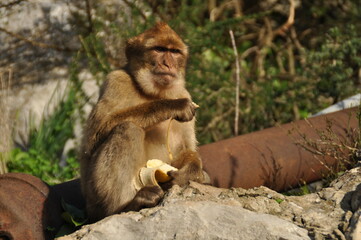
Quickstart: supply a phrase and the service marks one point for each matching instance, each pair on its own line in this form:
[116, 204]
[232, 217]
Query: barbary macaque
[129, 125]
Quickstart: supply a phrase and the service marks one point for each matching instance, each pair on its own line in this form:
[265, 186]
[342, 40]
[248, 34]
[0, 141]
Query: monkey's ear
[162, 26]
[134, 46]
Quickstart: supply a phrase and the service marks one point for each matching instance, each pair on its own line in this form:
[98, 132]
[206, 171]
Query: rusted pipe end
[28, 210]
[270, 157]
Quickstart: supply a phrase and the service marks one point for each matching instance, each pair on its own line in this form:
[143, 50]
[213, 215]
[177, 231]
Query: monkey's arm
[150, 113]
[121, 100]
[143, 115]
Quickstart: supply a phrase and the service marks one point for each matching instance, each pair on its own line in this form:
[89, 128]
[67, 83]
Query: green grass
[41, 157]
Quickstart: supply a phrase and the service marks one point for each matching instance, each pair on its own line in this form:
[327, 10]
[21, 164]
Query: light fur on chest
[156, 140]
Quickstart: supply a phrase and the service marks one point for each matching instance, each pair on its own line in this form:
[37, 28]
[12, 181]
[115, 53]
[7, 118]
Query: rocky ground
[206, 212]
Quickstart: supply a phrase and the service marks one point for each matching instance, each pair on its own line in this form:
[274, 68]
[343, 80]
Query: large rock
[24, 111]
[34, 78]
[38, 21]
[192, 220]
[205, 212]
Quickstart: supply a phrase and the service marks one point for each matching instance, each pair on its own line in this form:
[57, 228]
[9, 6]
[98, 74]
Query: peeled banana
[161, 169]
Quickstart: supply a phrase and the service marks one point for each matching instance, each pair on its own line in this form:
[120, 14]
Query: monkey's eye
[164, 49]
[174, 50]
[160, 49]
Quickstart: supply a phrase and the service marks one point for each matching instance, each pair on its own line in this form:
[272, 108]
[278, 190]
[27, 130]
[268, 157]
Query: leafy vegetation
[284, 76]
[46, 143]
[329, 145]
[73, 217]
[335, 153]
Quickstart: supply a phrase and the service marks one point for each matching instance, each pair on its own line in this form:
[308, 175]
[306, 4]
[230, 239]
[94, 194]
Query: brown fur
[128, 126]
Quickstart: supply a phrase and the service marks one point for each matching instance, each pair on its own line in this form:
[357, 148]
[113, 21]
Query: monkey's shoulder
[117, 82]
[118, 78]
[118, 74]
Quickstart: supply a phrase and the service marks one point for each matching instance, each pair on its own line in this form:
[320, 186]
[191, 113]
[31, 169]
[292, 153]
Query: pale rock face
[193, 220]
[205, 212]
[28, 105]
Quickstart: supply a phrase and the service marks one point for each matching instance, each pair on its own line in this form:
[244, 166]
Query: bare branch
[291, 58]
[248, 52]
[238, 8]
[212, 4]
[298, 46]
[217, 12]
[89, 16]
[11, 3]
[35, 43]
[155, 11]
[134, 6]
[290, 21]
[212, 124]
[238, 72]
[249, 36]
[5, 120]
[279, 60]
[265, 39]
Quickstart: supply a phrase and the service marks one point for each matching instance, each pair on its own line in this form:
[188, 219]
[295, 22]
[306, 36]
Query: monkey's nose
[166, 65]
[168, 61]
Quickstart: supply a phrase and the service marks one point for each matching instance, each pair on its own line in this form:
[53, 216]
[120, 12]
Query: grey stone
[33, 102]
[354, 230]
[205, 212]
[192, 220]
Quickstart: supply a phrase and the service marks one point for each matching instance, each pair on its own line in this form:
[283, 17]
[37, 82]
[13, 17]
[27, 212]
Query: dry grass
[330, 145]
[5, 121]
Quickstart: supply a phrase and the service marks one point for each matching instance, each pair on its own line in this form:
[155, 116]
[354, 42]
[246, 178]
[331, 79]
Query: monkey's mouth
[165, 74]
[164, 79]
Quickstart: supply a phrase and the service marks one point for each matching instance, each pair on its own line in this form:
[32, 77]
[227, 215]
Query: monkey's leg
[115, 172]
[147, 197]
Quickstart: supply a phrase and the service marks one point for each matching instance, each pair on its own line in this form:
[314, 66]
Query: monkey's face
[157, 60]
[166, 63]
[157, 80]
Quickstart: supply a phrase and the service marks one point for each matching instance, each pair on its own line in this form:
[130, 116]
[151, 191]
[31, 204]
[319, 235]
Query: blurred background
[253, 65]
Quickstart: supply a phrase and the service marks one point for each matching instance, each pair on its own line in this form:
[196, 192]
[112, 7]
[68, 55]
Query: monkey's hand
[186, 174]
[190, 169]
[146, 197]
[186, 110]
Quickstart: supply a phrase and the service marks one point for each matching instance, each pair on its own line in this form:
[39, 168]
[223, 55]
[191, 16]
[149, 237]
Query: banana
[161, 169]
[154, 172]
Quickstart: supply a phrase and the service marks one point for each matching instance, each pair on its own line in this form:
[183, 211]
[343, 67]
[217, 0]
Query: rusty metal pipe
[28, 210]
[270, 157]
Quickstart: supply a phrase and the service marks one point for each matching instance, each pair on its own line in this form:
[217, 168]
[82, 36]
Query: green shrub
[335, 67]
[46, 143]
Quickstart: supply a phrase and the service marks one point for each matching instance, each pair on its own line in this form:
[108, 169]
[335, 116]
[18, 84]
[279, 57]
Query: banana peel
[156, 171]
